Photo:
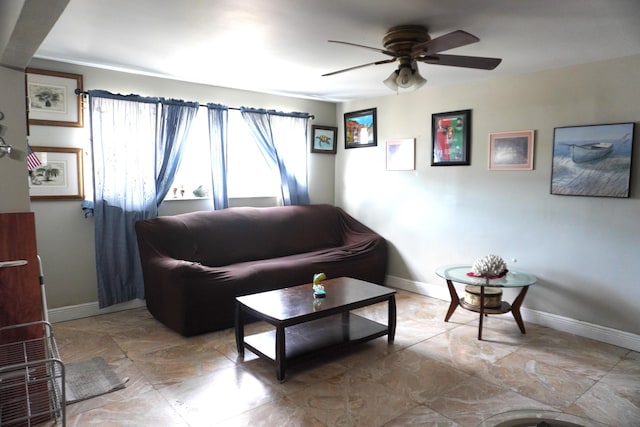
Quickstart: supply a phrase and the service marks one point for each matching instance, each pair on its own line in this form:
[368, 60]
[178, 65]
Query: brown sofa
[195, 264]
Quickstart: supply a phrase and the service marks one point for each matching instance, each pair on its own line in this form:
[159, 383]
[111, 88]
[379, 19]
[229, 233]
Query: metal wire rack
[32, 377]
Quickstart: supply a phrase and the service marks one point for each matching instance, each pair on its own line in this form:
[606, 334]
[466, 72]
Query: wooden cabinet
[20, 294]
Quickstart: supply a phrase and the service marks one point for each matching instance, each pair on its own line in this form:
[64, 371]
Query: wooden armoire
[20, 294]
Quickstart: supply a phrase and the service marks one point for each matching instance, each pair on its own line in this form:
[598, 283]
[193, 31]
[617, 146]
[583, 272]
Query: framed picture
[360, 129]
[59, 175]
[51, 98]
[324, 139]
[451, 133]
[401, 154]
[511, 150]
[592, 160]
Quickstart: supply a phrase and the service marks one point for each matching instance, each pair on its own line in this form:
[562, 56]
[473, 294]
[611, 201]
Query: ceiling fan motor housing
[401, 39]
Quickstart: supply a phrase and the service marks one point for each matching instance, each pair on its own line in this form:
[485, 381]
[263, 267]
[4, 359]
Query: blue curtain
[176, 118]
[218, 126]
[134, 154]
[282, 138]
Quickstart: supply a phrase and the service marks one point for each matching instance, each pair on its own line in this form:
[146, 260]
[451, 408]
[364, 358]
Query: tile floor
[435, 374]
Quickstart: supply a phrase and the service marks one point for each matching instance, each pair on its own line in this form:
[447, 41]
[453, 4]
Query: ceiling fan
[410, 44]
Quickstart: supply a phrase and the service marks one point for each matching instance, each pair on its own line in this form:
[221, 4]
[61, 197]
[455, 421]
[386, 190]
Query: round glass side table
[459, 273]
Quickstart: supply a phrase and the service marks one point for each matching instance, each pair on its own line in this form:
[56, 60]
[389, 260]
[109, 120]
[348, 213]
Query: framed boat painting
[451, 137]
[592, 160]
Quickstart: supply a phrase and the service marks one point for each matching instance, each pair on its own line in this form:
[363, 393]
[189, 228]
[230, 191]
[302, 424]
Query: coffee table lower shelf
[315, 337]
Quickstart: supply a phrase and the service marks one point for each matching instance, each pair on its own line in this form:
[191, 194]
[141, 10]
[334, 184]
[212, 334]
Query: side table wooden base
[504, 308]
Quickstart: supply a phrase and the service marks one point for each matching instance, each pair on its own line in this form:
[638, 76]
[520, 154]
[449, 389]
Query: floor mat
[90, 378]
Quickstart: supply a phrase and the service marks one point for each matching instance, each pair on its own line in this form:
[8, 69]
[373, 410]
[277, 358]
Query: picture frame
[401, 154]
[451, 138]
[511, 150]
[59, 176]
[323, 139]
[52, 98]
[592, 160]
[360, 129]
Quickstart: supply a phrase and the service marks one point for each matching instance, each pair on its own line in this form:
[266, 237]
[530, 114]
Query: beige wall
[584, 250]
[13, 174]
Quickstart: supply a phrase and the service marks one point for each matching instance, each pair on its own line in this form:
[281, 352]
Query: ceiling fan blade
[386, 52]
[478, 62]
[448, 41]
[384, 61]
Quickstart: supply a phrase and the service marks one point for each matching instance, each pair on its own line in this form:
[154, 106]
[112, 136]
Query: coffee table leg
[515, 308]
[481, 312]
[280, 352]
[455, 301]
[391, 320]
[239, 330]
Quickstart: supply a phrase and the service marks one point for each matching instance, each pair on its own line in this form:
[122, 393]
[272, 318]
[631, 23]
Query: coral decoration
[489, 266]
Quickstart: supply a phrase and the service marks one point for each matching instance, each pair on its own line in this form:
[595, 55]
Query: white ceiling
[280, 46]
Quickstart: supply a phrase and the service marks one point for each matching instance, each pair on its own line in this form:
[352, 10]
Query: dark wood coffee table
[307, 326]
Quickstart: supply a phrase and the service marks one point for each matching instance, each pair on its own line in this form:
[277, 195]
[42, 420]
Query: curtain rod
[85, 93]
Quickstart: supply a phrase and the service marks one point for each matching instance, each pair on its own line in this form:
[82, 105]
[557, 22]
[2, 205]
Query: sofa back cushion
[228, 236]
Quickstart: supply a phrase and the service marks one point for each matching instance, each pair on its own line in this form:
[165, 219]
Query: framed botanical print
[52, 98]
[57, 174]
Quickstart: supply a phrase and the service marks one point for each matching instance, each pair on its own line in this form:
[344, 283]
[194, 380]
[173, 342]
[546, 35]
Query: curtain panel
[136, 148]
[218, 132]
[282, 138]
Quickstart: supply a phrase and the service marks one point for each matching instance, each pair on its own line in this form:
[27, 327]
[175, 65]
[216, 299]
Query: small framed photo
[51, 98]
[401, 154]
[593, 160]
[511, 150]
[451, 133]
[360, 129]
[57, 174]
[324, 139]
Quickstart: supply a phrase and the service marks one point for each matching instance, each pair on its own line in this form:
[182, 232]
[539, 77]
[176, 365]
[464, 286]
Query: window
[248, 173]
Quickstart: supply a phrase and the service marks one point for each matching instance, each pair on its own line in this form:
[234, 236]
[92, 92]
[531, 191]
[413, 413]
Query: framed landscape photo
[451, 134]
[592, 160]
[324, 139]
[401, 154]
[360, 129]
[52, 99]
[511, 150]
[59, 175]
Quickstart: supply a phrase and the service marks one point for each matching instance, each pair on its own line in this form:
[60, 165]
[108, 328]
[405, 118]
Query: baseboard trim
[560, 323]
[72, 312]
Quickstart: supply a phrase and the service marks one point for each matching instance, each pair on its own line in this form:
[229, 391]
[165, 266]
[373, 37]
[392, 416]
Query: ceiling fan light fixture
[418, 80]
[390, 81]
[405, 77]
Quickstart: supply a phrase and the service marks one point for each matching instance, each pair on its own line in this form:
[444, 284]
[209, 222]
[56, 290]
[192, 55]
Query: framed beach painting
[511, 150]
[592, 160]
[51, 98]
[360, 129]
[324, 139]
[451, 134]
